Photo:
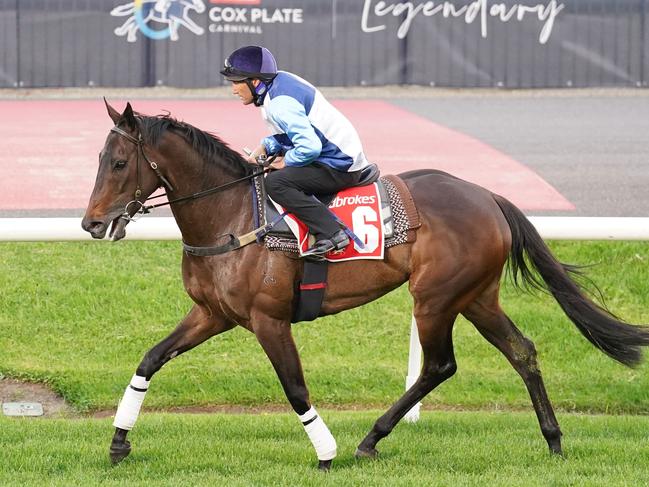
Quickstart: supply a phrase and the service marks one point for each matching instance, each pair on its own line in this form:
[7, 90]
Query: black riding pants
[292, 188]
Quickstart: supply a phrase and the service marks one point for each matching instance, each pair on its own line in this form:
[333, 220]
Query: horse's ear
[128, 116]
[112, 113]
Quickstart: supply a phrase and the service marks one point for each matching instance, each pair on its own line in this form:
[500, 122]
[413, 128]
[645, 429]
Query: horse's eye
[121, 164]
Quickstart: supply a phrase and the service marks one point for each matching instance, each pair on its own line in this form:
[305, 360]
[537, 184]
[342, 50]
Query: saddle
[369, 175]
[398, 213]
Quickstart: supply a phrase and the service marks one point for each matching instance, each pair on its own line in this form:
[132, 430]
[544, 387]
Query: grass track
[80, 317]
[444, 448]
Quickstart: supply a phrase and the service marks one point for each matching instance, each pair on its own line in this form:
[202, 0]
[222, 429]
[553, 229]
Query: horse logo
[173, 13]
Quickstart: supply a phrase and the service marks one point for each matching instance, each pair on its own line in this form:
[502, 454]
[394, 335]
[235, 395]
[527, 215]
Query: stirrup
[320, 248]
[338, 241]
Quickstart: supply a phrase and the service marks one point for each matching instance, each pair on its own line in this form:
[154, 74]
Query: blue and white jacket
[307, 128]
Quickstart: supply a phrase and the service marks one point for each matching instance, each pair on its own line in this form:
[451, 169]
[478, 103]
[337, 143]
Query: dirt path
[54, 406]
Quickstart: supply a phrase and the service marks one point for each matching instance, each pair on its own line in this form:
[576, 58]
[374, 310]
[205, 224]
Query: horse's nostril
[92, 226]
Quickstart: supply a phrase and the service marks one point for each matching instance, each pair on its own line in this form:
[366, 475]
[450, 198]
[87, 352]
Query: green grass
[80, 316]
[445, 449]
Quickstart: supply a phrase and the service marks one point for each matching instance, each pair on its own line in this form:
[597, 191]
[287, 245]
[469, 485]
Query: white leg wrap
[320, 436]
[129, 407]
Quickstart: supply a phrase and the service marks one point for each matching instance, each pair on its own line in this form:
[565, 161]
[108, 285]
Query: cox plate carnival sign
[162, 19]
[166, 19]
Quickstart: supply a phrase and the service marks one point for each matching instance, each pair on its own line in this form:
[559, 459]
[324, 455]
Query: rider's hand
[252, 158]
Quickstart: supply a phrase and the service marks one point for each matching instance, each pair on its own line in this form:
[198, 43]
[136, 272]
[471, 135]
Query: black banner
[182, 43]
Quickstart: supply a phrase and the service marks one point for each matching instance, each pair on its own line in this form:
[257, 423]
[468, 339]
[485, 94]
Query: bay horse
[466, 237]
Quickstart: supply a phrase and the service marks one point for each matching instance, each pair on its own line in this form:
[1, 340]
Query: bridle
[233, 241]
[140, 149]
[144, 209]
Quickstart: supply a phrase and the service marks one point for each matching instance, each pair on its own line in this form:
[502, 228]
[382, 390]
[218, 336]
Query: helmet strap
[258, 91]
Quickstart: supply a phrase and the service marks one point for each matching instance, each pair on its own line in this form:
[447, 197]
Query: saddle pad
[359, 208]
[405, 219]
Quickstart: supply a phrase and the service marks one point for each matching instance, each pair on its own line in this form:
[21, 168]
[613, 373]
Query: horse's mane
[208, 145]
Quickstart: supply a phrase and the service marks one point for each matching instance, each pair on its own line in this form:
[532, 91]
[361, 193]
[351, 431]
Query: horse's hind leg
[435, 335]
[198, 326]
[487, 316]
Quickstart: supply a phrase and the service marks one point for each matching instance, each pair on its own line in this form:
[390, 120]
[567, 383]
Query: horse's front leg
[275, 338]
[198, 326]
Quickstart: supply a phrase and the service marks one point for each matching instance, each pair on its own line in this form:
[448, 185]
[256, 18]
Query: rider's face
[241, 89]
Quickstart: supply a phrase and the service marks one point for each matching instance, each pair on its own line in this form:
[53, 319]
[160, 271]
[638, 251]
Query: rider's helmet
[250, 62]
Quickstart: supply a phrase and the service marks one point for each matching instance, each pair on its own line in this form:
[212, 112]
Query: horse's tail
[621, 341]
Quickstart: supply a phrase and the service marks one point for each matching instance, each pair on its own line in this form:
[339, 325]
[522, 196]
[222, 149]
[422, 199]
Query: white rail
[165, 228]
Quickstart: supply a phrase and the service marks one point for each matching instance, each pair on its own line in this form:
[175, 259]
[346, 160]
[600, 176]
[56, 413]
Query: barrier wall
[456, 43]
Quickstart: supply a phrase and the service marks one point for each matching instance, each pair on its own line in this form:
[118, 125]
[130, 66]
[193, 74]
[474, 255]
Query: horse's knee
[150, 364]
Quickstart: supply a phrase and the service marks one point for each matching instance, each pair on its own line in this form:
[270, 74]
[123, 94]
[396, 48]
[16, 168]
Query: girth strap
[309, 293]
[235, 242]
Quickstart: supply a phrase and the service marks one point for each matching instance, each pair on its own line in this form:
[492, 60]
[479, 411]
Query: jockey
[319, 151]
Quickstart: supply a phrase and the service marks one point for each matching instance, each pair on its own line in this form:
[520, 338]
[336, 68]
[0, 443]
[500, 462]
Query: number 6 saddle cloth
[380, 215]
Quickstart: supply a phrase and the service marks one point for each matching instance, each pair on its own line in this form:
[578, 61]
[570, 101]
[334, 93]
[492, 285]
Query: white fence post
[414, 367]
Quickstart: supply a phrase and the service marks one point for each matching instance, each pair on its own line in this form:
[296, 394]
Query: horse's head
[121, 186]
[196, 5]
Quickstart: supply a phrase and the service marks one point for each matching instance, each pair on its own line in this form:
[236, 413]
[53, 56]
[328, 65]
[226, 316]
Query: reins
[139, 142]
[201, 194]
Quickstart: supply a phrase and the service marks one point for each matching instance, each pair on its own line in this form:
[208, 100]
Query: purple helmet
[250, 62]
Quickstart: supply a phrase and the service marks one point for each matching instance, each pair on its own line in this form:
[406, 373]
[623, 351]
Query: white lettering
[352, 200]
[278, 15]
[501, 10]
[366, 10]
[409, 11]
[228, 14]
[257, 15]
[365, 223]
[235, 28]
[549, 16]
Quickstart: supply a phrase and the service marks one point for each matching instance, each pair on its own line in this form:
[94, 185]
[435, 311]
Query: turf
[80, 316]
[444, 448]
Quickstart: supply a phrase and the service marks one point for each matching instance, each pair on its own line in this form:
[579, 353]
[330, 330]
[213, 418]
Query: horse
[467, 237]
[170, 12]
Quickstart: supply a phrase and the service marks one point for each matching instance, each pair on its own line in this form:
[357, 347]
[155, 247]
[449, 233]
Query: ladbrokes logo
[352, 201]
[145, 14]
[161, 19]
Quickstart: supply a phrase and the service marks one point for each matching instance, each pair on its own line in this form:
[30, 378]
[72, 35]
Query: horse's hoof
[325, 465]
[362, 453]
[555, 447]
[119, 451]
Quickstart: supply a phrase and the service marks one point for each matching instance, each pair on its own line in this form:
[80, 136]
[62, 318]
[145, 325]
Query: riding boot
[337, 241]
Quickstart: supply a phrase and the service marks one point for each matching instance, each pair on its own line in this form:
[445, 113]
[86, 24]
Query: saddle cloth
[381, 214]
